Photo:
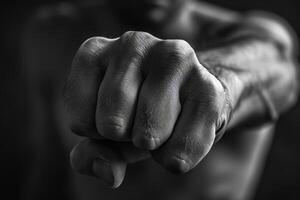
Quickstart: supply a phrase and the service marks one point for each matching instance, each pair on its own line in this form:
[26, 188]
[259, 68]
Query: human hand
[138, 96]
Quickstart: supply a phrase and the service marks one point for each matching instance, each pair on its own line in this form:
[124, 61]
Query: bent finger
[159, 102]
[105, 160]
[118, 92]
[192, 139]
[81, 88]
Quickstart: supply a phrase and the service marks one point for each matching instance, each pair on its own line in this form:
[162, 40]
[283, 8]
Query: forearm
[257, 66]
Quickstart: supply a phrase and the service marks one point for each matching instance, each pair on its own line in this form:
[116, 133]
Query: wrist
[232, 82]
[249, 101]
[229, 77]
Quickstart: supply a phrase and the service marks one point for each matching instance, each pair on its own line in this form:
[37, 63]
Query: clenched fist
[138, 93]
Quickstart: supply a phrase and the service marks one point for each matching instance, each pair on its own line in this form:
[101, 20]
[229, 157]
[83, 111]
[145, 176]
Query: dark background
[281, 174]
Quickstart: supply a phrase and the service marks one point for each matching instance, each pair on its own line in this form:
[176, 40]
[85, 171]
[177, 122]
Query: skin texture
[168, 97]
[155, 95]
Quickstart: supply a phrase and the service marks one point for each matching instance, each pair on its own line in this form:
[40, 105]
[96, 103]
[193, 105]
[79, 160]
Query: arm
[163, 93]
[254, 56]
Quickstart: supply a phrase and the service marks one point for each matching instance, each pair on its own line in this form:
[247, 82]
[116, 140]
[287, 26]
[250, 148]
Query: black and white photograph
[150, 100]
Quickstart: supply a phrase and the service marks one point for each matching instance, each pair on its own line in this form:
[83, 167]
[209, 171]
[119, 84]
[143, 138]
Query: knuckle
[135, 36]
[184, 154]
[112, 126]
[146, 119]
[91, 49]
[177, 165]
[146, 140]
[136, 42]
[131, 38]
[173, 161]
[182, 45]
[93, 45]
[179, 50]
[90, 43]
[111, 120]
[145, 128]
[127, 35]
[209, 86]
[177, 56]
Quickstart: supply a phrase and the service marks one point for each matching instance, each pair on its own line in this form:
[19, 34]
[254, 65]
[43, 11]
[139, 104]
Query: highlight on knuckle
[176, 56]
[179, 50]
[111, 126]
[135, 43]
[208, 83]
[91, 49]
[94, 45]
[135, 36]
